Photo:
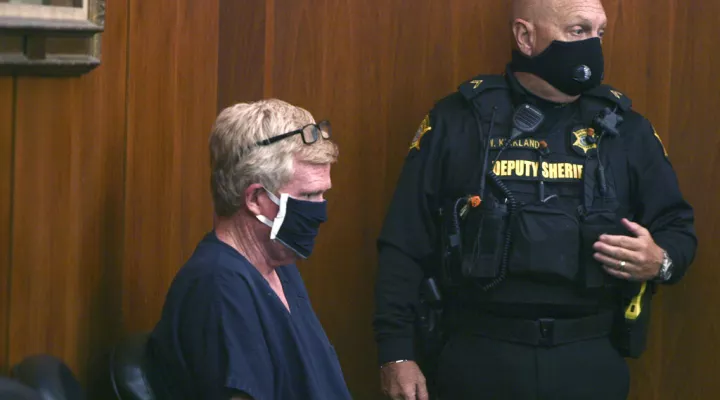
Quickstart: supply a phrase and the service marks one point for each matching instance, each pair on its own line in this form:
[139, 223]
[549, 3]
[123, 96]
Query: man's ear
[253, 194]
[524, 33]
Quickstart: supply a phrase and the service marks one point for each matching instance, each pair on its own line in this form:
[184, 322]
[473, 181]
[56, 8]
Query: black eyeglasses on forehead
[310, 134]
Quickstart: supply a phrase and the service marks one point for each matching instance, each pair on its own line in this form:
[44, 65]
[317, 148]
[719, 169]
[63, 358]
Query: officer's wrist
[389, 363]
[395, 348]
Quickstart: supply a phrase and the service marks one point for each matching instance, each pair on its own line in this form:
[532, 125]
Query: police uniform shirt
[223, 329]
[444, 163]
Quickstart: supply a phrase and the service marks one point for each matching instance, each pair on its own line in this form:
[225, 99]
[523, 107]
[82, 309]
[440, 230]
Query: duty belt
[544, 331]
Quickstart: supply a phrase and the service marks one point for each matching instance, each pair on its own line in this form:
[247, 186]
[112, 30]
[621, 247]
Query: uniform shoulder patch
[609, 93]
[422, 130]
[481, 83]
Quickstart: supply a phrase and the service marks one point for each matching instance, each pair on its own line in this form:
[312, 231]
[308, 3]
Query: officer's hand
[403, 381]
[642, 257]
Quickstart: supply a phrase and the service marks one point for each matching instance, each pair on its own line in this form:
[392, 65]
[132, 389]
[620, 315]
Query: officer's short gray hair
[236, 162]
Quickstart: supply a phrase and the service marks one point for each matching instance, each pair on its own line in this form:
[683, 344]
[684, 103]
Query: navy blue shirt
[223, 329]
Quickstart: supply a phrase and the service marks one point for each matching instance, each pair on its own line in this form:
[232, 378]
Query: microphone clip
[608, 121]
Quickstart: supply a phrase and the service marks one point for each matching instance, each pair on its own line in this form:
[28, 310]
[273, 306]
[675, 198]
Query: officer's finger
[408, 392]
[422, 393]
[606, 261]
[616, 253]
[625, 242]
[394, 392]
[616, 264]
[618, 274]
[399, 395]
[637, 229]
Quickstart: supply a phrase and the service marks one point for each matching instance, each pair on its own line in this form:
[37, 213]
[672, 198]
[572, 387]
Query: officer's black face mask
[571, 67]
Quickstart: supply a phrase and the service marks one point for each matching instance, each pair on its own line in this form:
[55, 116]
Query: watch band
[393, 362]
[665, 272]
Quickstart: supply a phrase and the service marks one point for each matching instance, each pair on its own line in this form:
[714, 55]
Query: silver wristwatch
[665, 269]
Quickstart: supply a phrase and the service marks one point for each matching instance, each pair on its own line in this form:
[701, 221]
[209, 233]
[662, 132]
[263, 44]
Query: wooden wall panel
[438, 46]
[172, 98]
[67, 214]
[241, 55]
[7, 92]
[69, 277]
[638, 55]
[638, 63]
[44, 285]
[102, 182]
[691, 343]
[198, 24]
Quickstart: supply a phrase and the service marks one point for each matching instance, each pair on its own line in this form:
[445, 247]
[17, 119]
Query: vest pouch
[546, 242]
[593, 224]
[483, 240]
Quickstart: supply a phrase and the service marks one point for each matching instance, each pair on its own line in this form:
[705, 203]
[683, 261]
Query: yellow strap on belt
[634, 309]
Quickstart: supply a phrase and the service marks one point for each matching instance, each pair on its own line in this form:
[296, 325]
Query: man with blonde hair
[237, 321]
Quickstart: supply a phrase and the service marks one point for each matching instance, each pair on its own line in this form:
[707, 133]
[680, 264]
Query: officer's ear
[524, 34]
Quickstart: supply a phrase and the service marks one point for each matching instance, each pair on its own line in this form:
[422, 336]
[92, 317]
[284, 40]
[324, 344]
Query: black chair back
[50, 377]
[128, 369]
[11, 389]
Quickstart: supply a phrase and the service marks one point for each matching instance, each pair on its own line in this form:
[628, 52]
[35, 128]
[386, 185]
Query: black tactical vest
[526, 233]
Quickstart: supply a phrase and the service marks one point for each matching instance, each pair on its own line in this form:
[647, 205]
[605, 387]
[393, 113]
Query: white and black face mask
[297, 222]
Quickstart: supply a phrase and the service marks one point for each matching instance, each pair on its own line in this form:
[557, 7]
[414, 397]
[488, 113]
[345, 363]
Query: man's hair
[236, 162]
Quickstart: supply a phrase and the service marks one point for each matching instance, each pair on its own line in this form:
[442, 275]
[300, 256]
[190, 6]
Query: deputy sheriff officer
[535, 215]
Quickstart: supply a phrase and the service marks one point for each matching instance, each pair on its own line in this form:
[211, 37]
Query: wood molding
[36, 26]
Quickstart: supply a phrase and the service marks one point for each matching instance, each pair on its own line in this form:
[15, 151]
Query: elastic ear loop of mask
[280, 218]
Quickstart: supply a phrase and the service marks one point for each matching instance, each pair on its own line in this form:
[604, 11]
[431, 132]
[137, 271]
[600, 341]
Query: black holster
[630, 335]
[430, 335]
